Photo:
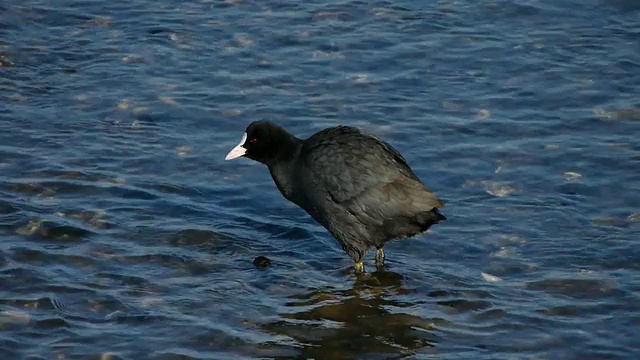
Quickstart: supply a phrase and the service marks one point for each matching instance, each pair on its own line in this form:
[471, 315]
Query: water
[124, 234]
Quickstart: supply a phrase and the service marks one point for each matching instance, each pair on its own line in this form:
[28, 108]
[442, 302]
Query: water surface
[125, 235]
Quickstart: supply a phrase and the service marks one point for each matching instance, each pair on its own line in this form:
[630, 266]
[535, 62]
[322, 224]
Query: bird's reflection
[366, 321]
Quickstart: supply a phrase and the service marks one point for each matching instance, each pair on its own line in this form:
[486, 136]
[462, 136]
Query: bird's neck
[282, 169]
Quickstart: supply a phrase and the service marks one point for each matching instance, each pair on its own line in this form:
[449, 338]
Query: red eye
[253, 141]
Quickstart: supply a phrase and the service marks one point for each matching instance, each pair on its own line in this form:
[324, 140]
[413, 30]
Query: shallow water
[124, 234]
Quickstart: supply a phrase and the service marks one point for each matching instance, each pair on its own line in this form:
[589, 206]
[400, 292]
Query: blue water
[125, 235]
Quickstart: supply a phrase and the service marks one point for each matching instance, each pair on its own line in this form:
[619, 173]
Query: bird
[355, 185]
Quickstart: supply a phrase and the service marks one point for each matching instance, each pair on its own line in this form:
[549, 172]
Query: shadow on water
[357, 323]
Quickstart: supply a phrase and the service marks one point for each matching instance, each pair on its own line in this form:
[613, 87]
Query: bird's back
[354, 179]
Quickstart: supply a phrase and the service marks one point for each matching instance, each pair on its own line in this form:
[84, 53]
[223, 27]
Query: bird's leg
[380, 257]
[359, 267]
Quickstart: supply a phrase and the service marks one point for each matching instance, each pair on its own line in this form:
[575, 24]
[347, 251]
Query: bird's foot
[379, 257]
[360, 267]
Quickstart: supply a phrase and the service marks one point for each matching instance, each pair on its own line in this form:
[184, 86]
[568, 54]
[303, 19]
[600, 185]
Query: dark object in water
[261, 261]
[355, 185]
[4, 62]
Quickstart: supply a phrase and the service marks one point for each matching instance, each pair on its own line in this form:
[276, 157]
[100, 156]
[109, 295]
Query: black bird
[355, 185]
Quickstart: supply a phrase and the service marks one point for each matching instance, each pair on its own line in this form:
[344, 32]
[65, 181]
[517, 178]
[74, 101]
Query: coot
[355, 185]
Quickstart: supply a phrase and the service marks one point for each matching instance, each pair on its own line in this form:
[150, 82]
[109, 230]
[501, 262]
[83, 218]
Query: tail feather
[439, 217]
[427, 218]
[405, 226]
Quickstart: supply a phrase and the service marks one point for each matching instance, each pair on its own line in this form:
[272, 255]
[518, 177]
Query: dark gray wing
[364, 174]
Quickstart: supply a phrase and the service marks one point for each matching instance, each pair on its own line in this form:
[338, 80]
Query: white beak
[237, 151]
